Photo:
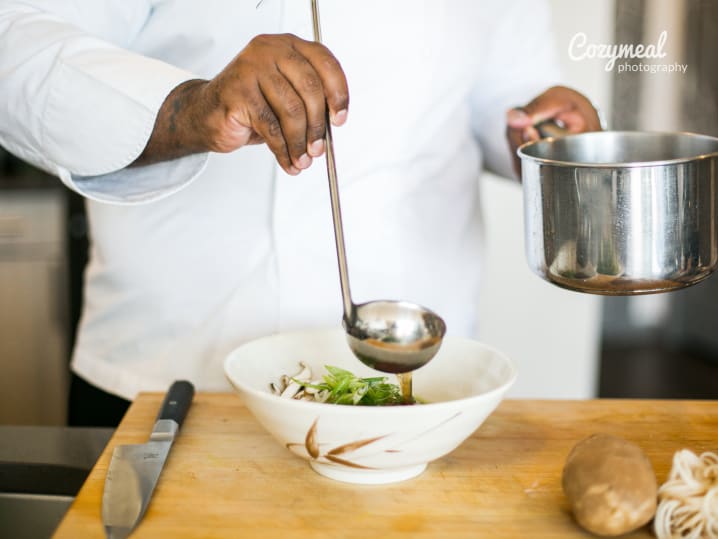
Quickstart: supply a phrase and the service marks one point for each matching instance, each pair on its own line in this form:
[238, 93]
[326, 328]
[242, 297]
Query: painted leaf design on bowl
[310, 442]
[312, 445]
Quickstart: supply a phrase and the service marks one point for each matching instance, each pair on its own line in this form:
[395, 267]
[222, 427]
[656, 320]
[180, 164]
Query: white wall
[551, 334]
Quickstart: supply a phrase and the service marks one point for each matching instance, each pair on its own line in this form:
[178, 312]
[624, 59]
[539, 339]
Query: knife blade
[135, 469]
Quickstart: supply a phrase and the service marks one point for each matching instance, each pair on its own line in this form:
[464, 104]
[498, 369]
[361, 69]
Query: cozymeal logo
[580, 48]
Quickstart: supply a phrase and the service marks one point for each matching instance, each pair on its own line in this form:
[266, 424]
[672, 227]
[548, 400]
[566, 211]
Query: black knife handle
[177, 402]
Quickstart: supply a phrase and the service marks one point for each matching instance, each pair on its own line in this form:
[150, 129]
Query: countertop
[226, 477]
[48, 460]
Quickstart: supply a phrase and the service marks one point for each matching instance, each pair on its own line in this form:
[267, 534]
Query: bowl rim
[348, 409]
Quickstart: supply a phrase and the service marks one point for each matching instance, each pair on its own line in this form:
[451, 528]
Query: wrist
[186, 116]
[179, 127]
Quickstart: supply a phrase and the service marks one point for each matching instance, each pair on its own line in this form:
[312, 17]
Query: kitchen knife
[134, 469]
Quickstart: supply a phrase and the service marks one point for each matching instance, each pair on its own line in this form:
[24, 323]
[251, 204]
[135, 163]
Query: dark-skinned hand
[275, 91]
[569, 107]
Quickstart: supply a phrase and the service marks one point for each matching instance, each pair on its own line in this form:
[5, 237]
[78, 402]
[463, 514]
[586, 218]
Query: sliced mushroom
[305, 374]
[291, 390]
[294, 384]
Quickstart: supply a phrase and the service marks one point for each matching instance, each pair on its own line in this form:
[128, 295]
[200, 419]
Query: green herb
[340, 386]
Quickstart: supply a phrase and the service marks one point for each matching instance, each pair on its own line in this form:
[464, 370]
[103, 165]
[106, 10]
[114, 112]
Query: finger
[267, 125]
[289, 109]
[517, 118]
[307, 83]
[334, 82]
[583, 106]
[574, 121]
[546, 106]
[517, 137]
[530, 134]
[514, 139]
[560, 102]
[592, 122]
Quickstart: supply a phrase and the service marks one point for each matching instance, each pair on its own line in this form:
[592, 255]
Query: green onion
[340, 386]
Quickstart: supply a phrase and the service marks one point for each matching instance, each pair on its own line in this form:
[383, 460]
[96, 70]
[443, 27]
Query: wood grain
[226, 477]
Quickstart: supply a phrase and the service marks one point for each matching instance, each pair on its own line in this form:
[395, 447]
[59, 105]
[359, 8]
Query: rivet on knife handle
[177, 402]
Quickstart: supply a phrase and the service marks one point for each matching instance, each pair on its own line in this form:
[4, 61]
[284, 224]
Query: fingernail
[340, 117]
[293, 171]
[304, 161]
[516, 116]
[316, 148]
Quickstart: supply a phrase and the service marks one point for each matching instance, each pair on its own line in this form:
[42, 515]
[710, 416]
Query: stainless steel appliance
[33, 307]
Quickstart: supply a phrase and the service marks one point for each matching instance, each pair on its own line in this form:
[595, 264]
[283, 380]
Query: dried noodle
[688, 500]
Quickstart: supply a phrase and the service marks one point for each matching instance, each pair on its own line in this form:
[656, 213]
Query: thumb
[534, 113]
[517, 118]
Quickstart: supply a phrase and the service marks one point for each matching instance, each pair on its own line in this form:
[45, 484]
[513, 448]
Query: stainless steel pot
[621, 213]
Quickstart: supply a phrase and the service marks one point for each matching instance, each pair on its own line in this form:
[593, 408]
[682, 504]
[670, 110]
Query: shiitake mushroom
[610, 485]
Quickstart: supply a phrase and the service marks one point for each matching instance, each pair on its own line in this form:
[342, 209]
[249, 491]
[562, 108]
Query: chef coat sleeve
[75, 102]
[521, 63]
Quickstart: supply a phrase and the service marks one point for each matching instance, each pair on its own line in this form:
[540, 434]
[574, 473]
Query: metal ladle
[390, 336]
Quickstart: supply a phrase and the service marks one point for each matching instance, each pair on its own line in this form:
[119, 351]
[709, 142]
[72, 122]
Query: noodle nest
[688, 500]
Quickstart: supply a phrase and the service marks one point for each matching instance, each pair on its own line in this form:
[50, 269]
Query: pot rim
[521, 150]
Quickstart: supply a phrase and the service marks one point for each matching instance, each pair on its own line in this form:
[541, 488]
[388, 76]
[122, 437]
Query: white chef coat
[192, 257]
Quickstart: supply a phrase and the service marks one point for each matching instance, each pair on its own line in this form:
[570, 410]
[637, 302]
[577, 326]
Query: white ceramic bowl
[462, 385]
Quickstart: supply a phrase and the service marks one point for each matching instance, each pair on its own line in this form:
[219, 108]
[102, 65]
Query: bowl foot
[367, 477]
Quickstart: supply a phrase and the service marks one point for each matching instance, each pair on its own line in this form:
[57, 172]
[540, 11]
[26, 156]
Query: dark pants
[89, 406]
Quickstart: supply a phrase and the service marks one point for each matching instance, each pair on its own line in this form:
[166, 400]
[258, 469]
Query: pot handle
[550, 129]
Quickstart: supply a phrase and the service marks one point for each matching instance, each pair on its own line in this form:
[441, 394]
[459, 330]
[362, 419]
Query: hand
[569, 107]
[275, 91]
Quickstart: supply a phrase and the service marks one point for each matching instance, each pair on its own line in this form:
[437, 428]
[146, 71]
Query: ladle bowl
[394, 336]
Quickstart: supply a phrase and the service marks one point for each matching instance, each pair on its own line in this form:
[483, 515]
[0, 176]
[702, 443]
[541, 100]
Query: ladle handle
[334, 193]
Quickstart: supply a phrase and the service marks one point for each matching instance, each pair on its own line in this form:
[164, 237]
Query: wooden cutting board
[225, 477]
